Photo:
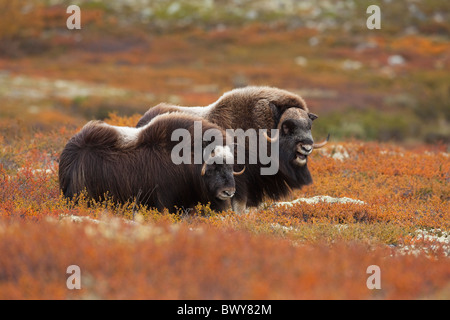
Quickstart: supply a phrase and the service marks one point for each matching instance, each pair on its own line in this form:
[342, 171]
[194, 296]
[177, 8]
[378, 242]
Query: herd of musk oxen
[251, 144]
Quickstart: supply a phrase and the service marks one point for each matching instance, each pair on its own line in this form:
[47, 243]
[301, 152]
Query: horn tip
[239, 173]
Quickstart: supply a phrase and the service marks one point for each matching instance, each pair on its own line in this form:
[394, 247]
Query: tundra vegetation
[382, 94]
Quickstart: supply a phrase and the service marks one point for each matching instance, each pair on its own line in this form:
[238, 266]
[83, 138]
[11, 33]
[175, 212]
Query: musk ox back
[130, 164]
[261, 108]
[242, 108]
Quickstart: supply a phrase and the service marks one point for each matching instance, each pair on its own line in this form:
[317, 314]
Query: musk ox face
[296, 137]
[219, 181]
[218, 175]
[296, 144]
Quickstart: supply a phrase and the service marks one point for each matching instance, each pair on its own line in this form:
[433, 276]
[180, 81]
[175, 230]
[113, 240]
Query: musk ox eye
[288, 127]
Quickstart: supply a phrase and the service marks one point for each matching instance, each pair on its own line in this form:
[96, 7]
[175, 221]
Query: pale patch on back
[127, 135]
[199, 111]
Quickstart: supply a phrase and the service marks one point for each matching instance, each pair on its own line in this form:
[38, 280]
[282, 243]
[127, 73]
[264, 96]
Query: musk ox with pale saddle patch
[261, 108]
[134, 164]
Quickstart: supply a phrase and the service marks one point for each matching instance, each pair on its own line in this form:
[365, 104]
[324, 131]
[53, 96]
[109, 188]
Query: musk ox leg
[239, 206]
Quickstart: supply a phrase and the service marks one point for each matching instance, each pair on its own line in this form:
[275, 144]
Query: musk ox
[134, 164]
[261, 108]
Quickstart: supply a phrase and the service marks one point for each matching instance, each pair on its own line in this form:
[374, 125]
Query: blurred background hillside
[391, 84]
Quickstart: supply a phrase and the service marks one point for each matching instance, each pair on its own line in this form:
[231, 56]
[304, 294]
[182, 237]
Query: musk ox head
[218, 175]
[296, 144]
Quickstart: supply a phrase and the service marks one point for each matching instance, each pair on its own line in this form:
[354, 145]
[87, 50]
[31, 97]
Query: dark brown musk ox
[261, 108]
[135, 164]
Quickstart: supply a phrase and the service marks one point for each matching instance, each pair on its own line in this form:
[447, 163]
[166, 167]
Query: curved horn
[204, 168]
[238, 173]
[206, 161]
[321, 144]
[271, 140]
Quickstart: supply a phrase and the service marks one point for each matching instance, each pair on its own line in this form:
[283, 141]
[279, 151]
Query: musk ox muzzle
[226, 193]
[303, 150]
[294, 133]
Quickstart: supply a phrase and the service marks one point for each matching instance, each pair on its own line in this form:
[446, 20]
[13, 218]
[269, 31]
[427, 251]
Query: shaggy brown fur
[244, 108]
[101, 161]
[259, 108]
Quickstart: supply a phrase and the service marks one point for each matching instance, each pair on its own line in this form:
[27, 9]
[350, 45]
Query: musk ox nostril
[307, 148]
[228, 193]
[306, 142]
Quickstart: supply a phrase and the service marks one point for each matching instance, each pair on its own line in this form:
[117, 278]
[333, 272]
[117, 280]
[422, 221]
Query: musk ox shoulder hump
[279, 97]
[96, 134]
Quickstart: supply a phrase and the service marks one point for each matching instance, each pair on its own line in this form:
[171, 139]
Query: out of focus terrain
[381, 191]
[386, 84]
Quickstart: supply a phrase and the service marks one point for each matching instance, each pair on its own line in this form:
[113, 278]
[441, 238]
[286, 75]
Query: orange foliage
[421, 45]
[17, 19]
[178, 263]
[115, 120]
[122, 261]
[305, 251]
